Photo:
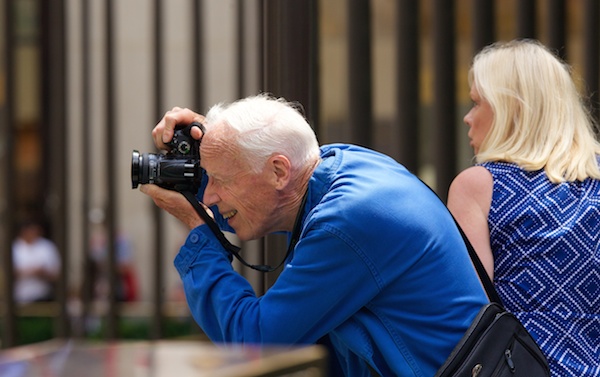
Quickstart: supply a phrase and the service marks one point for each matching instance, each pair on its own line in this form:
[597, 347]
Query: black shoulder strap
[210, 222]
[231, 248]
[483, 276]
[235, 250]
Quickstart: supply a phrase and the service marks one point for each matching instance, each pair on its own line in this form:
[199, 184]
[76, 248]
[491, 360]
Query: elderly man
[379, 270]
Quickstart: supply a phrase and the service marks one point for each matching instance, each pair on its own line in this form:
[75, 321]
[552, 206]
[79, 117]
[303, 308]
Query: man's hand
[174, 203]
[163, 131]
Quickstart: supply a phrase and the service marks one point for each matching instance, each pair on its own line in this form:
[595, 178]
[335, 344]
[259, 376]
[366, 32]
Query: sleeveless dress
[545, 240]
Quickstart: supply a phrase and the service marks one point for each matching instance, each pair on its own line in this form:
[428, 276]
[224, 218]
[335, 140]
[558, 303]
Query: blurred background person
[127, 287]
[36, 264]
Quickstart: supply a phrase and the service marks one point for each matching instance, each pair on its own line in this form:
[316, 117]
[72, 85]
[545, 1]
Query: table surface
[70, 358]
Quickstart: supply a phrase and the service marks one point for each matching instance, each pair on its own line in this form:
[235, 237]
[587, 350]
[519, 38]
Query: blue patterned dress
[546, 243]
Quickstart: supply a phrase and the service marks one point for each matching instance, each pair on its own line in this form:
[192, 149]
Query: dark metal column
[7, 122]
[290, 52]
[87, 290]
[484, 24]
[360, 106]
[241, 47]
[591, 48]
[556, 18]
[444, 124]
[159, 242]
[526, 23]
[53, 127]
[289, 61]
[408, 101]
[198, 48]
[111, 164]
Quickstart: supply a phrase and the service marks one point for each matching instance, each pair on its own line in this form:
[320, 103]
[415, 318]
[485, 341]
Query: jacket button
[194, 238]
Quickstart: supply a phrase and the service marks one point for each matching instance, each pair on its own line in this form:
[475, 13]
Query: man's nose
[210, 197]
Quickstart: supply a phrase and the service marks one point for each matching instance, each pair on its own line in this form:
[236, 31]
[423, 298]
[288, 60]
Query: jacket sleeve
[323, 284]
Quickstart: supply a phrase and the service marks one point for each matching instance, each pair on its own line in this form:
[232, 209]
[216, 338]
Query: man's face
[248, 200]
[479, 119]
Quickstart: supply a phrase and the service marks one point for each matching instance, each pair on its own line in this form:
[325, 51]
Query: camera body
[178, 169]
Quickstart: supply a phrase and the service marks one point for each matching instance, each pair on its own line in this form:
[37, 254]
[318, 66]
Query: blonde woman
[531, 205]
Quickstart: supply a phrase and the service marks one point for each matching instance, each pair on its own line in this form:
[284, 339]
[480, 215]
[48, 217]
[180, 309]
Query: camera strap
[235, 250]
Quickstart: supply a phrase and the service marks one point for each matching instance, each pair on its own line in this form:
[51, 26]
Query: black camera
[178, 169]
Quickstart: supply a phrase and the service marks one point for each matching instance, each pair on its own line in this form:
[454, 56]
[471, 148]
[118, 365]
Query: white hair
[263, 126]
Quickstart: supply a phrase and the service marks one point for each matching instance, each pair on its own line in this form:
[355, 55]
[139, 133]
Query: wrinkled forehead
[218, 146]
[219, 133]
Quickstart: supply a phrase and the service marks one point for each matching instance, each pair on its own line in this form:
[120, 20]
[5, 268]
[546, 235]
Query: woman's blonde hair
[540, 120]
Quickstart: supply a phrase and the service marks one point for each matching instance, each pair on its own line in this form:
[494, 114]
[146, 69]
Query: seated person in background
[127, 287]
[531, 205]
[36, 264]
[379, 272]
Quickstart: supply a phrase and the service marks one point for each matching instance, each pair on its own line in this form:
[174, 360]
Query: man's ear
[280, 170]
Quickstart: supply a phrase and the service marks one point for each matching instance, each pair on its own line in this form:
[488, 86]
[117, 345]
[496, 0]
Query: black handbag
[496, 344]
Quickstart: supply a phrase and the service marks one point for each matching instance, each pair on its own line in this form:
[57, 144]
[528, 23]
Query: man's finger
[196, 133]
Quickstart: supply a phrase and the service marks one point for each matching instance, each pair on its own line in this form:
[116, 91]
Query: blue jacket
[380, 270]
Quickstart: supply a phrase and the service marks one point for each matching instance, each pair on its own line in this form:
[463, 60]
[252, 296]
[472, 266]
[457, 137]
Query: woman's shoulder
[472, 184]
[473, 177]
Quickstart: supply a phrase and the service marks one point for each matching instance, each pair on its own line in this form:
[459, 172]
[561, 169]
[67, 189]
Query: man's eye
[215, 181]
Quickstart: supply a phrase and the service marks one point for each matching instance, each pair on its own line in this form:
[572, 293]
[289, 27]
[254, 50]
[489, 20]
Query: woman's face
[479, 119]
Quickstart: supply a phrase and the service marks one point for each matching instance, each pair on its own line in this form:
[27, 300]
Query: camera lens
[145, 168]
[136, 161]
[179, 169]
